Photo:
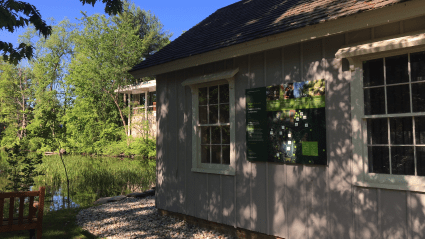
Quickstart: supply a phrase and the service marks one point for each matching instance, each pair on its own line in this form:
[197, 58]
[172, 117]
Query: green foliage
[22, 168]
[51, 95]
[67, 96]
[16, 90]
[15, 14]
[133, 146]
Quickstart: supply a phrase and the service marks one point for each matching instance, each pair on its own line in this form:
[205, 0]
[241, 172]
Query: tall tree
[50, 65]
[15, 14]
[107, 48]
[15, 93]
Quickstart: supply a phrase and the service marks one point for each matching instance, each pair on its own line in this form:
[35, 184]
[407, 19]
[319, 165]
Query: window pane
[205, 154]
[203, 114]
[203, 96]
[216, 154]
[215, 135]
[152, 98]
[374, 100]
[418, 97]
[373, 72]
[417, 66]
[402, 161]
[420, 160]
[226, 154]
[420, 130]
[377, 131]
[401, 130]
[224, 113]
[396, 69]
[142, 99]
[213, 114]
[224, 93]
[213, 94]
[225, 131]
[398, 99]
[205, 135]
[379, 161]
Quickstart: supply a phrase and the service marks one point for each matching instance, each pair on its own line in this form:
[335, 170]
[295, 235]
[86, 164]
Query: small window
[214, 124]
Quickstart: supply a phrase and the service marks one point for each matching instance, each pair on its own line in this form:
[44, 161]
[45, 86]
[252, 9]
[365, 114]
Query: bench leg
[32, 233]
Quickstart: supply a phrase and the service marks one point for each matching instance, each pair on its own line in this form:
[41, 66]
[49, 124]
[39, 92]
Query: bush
[132, 146]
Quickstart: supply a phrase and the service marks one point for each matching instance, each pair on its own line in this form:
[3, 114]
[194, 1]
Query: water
[56, 200]
[90, 178]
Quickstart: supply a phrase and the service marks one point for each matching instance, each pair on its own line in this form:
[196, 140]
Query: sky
[176, 16]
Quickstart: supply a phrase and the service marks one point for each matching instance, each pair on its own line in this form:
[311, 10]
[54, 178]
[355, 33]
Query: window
[394, 109]
[387, 112]
[151, 98]
[213, 123]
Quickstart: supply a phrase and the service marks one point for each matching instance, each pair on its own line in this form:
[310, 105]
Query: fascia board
[397, 12]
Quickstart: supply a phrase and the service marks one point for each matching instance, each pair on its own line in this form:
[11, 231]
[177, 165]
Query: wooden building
[366, 176]
[141, 97]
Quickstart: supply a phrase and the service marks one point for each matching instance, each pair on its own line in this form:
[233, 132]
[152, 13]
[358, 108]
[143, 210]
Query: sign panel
[286, 123]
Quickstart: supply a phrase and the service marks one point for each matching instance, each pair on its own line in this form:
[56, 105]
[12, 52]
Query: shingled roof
[247, 20]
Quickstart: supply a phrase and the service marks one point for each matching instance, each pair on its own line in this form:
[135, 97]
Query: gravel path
[137, 218]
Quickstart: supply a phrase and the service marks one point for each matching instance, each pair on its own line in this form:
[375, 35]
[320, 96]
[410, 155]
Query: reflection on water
[56, 199]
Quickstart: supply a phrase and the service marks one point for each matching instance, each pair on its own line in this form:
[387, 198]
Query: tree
[22, 167]
[51, 99]
[15, 107]
[15, 14]
[107, 48]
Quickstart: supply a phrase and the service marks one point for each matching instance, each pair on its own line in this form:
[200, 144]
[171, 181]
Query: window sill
[419, 187]
[229, 171]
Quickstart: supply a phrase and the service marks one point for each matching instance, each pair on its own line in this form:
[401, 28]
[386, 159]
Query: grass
[104, 176]
[56, 224]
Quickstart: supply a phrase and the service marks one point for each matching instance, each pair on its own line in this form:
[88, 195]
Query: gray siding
[290, 201]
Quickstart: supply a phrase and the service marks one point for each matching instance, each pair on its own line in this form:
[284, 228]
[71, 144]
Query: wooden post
[129, 115]
[146, 104]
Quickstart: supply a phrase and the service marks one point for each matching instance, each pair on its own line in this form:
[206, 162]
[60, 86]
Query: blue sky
[176, 16]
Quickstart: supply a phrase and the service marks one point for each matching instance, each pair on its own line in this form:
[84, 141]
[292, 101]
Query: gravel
[138, 218]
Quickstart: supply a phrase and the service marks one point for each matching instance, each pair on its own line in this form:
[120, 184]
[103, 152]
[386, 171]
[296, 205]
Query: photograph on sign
[288, 107]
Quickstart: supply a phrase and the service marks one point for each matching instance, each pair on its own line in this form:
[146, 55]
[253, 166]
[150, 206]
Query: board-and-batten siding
[290, 201]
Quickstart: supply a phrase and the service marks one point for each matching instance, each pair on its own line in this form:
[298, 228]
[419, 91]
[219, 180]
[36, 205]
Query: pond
[90, 178]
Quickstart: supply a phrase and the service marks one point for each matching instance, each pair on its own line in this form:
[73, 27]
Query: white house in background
[143, 97]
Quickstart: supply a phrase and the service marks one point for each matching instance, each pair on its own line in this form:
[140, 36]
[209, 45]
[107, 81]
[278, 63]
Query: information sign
[287, 123]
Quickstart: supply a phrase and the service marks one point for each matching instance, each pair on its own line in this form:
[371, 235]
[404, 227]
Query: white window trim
[356, 55]
[203, 81]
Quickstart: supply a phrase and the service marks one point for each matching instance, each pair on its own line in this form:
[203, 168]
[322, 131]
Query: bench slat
[19, 194]
[19, 227]
[15, 221]
[11, 207]
[1, 208]
[31, 209]
[21, 210]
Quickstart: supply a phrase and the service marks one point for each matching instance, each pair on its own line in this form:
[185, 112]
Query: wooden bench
[32, 222]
